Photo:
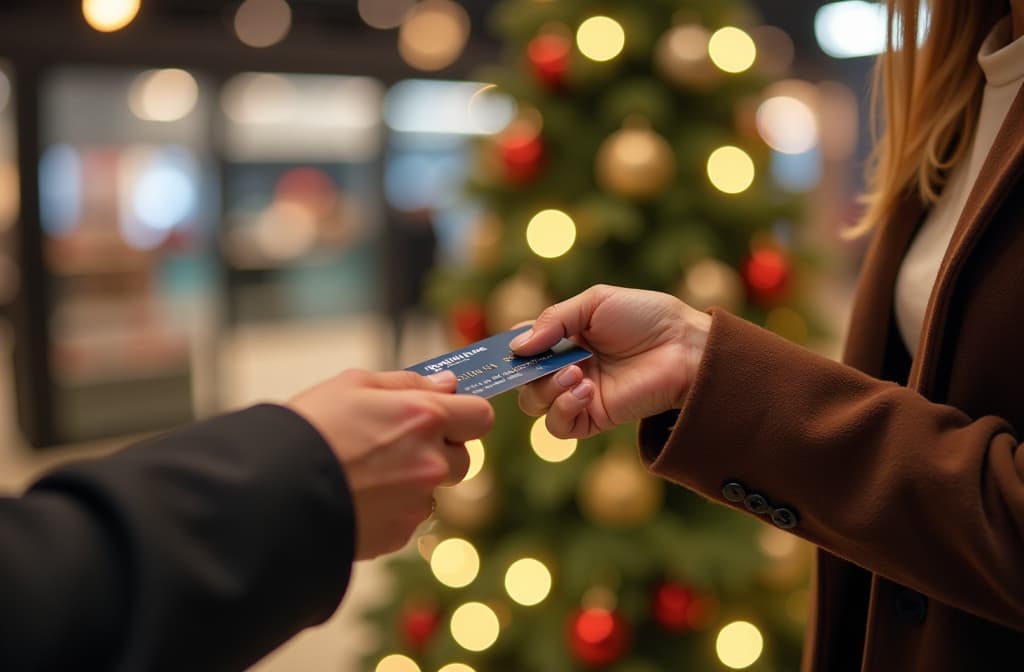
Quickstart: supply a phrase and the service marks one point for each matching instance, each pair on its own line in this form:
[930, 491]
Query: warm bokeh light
[263, 23]
[548, 447]
[739, 645]
[397, 663]
[477, 454]
[163, 95]
[475, 626]
[433, 34]
[732, 50]
[10, 183]
[384, 14]
[456, 667]
[600, 38]
[730, 169]
[528, 581]
[776, 543]
[455, 563]
[775, 50]
[5, 91]
[787, 124]
[551, 233]
[106, 16]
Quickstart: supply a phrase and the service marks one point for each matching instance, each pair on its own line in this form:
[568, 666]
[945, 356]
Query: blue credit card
[488, 367]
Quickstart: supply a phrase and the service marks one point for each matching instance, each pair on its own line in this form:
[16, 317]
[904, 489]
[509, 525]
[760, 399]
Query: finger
[537, 397]
[442, 381]
[466, 417]
[567, 415]
[458, 462]
[559, 321]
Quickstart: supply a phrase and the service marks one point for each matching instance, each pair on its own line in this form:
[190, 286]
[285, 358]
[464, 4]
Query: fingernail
[566, 377]
[521, 339]
[583, 390]
[441, 377]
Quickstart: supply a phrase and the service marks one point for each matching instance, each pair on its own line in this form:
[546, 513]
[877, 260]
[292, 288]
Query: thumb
[559, 321]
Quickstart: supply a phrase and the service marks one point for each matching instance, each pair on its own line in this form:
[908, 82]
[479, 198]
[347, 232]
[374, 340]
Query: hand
[398, 435]
[646, 345]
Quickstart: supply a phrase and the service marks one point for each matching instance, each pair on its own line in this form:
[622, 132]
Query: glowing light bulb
[397, 663]
[163, 95]
[528, 581]
[263, 23]
[730, 169]
[455, 563]
[739, 645]
[600, 38]
[475, 626]
[107, 16]
[475, 448]
[551, 233]
[550, 448]
[732, 50]
[787, 124]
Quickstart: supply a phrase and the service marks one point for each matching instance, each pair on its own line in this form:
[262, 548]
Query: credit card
[489, 367]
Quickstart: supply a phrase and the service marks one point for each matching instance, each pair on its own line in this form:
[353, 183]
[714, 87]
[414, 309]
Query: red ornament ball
[598, 636]
[549, 57]
[419, 623]
[672, 606]
[522, 153]
[469, 321]
[766, 274]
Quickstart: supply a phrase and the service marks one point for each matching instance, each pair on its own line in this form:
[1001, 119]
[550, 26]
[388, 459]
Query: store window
[128, 207]
[301, 236]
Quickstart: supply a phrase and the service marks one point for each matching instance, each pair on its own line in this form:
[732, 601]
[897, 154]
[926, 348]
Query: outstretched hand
[647, 346]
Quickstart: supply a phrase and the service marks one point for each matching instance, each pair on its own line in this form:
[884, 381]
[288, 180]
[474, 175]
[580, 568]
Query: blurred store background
[205, 204]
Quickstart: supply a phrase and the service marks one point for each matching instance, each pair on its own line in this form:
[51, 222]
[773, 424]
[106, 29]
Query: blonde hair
[926, 98]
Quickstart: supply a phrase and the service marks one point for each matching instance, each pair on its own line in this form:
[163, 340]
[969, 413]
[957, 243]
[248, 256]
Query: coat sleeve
[871, 471]
[203, 549]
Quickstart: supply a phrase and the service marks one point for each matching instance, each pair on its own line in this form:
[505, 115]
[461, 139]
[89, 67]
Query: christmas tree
[635, 158]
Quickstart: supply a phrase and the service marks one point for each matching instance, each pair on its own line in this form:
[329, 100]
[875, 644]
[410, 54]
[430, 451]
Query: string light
[739, 645]
[163, 95]
[475, 626]
[455, 563]
[551, 233]
[433, 34]
[730, 169]
[600, 38]
[397, 663]
[475, 448]
[528, 582]
[732, 50]
[787, 124]
[263, 23]
[107, 16]
[384, 14]
[550, 448]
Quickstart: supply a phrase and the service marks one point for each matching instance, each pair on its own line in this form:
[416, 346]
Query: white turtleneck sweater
[1002, 62]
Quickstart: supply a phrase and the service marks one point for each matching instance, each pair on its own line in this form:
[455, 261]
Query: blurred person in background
[207, 547]
[903, 464]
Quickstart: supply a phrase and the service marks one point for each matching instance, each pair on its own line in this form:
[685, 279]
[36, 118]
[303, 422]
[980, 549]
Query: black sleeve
[203, 549]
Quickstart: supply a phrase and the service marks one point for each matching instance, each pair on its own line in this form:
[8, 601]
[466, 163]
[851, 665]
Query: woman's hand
[646, 345]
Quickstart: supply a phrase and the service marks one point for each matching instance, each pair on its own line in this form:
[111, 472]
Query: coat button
[734, 492]
[911, 606]
[755, 503]
[784, 518]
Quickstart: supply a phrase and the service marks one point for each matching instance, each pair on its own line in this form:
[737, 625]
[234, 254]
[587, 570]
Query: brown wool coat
[913, 490]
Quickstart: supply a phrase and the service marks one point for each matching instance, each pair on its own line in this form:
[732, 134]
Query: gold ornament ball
[681, 56]
[468, 506]
[617, 491]
[711, 283]
[484, 242]
[635, 162]
[518, 299]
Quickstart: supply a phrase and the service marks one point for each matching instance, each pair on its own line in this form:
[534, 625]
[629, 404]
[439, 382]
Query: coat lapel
[998, 174]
